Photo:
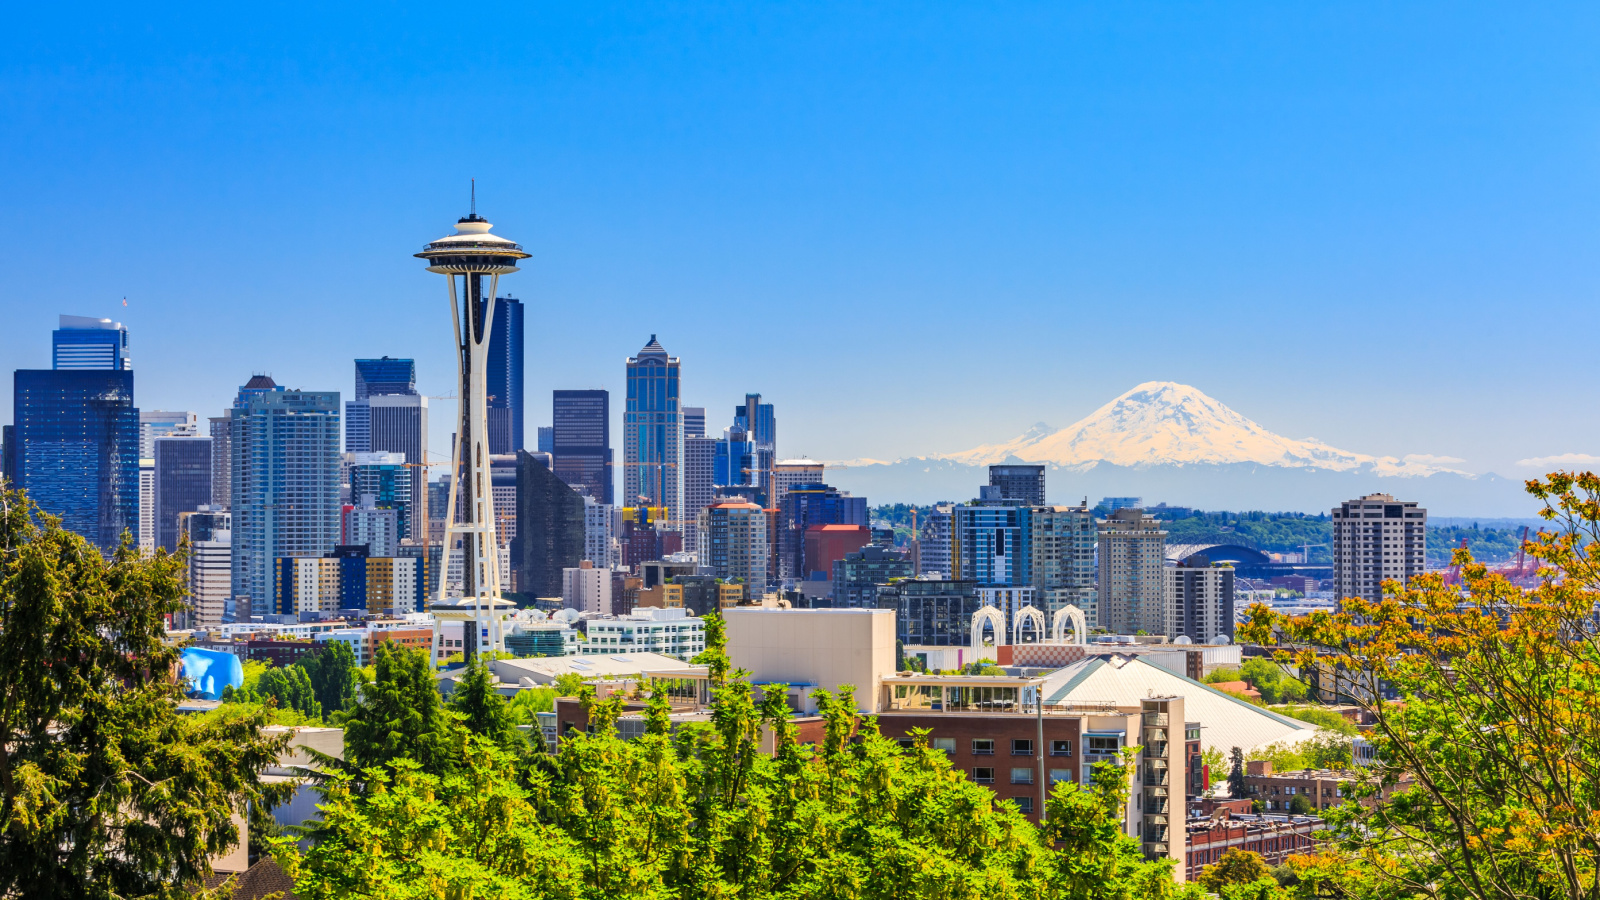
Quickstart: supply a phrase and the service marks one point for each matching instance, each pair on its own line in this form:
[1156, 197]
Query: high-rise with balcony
[1133, 576]
[1019, 482]
[581, 441]
[1062, 547]
[1376, 539]
[285, 448]
[74, 445]
[733, 543]
[699, 468]
[652, 441]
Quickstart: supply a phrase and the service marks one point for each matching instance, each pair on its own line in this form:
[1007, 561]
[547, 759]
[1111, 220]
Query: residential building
[75, 448]
[858, 575]
[504, 378]
[653, 434]
[586, 589]
[221, 461]
[347, 579]
[372, 526]
[733, 542]
[550, 536]
[84, 342]
[596, 532]
[1321, 788]
[934, 556]
[210, 533]
[285, 471]
[1133, 578]
[699, 467]
[991, 542]
[389, 482]
[503, 490]
[1200, 600]
[803, 506]
[1062, 546]
[182, 483]
[933, 613]
[1018, 482]
[694, 421]
[1376, 539]
[787, 473]
[582, 441]
[825, 545]
[670, 632]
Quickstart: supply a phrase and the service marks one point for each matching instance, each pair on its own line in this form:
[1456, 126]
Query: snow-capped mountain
[1161, 423]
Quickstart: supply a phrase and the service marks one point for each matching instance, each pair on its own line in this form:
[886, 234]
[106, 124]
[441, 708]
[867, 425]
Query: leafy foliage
[1497, 726]
[291, 688]
[483, 711]
[399, 715]
[1275, 685]
[1235, 867]
[334, 676]
[105, 791]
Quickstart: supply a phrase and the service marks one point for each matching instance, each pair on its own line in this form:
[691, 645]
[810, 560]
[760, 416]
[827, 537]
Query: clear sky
[915, 228]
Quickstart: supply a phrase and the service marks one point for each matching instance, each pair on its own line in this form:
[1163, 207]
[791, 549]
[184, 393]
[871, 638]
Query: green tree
[1496, 738]
[1300, 806]
[476, 699]
[568, 684]
[1235, 867]
[1237, 787]
[334, 676]
[407, 834]
[1213, 760]
[528, 702]
[105, 791]
[399, 715]
[1275, 685]
[291, 689]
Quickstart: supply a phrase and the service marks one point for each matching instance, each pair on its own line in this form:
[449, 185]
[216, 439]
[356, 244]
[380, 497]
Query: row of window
[985, 746]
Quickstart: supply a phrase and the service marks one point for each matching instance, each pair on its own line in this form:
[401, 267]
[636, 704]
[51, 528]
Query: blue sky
[916, 228]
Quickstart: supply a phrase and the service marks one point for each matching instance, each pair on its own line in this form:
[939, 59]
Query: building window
[1021, 747]
[1022, 775]
[948, 745]
[1060, 748]
[907, 743]
[982, 747]
[1024, 805]
[1060, 775]
[983, 775]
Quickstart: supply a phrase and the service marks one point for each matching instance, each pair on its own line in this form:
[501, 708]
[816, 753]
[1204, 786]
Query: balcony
[1155, 720]
[1155, 850]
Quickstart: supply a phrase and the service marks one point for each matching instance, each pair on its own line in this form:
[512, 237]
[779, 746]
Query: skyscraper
[991, 542]
[581, 441]
[1063, 541]
[222, 463]
[285, 449]
[735, 460]
[381, 377]
[154, 424]
[733, 542]
[399, 424]
[790, 472]
[1376, 538]
[182, 483]
[550, 535]
[210, 565]
[1200, 600]
[761, 429]
[1025, 483]
[653, 434]
[547, 439]
[806, 505]
[384, 478]
[76, 449]
[87, 343]
[505, 377]
[699, 466]
[1133, 577]
[694, 421]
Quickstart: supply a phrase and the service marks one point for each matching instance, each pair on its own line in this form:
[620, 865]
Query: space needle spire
[473, 260]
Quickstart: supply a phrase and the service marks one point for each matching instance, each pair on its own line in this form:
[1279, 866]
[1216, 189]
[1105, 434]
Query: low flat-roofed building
[1274, 837]
[823, 648]
[1321, 788]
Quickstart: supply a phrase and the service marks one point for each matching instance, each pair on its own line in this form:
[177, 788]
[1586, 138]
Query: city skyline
[971, 175]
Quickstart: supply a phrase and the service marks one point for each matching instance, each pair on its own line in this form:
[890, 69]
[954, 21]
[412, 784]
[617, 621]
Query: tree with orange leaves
[1497, 721]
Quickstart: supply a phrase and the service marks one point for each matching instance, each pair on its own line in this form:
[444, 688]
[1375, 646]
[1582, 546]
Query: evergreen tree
[291, 689]
[1236, 783]
[482, 710]
[334, 675]
[399, 715]
[105, 791]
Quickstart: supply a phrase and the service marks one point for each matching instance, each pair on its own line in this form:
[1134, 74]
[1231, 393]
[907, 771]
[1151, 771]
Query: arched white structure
[1029, 613]
[1080, 625]
[993, 617]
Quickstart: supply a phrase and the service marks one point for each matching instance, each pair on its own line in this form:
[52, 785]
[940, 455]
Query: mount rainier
[1172, 442]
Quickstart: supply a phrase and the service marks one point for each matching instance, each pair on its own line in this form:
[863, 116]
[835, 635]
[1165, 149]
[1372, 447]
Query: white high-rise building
[210, 563]
[699, 464]
[596, 532]
[1375, 539]
[1062, 544]
[587, 589]
[1133, 576]
[935, 543]
[1199, 600]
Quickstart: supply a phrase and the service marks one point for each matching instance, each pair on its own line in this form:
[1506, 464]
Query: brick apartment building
[1322, 788]
[1274, 837]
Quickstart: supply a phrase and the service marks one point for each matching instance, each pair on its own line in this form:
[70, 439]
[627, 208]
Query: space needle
[473, 260]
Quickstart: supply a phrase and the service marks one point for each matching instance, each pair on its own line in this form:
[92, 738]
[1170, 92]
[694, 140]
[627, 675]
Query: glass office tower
[581, 441]
[653, 434]
[504, 377]
[75, 448]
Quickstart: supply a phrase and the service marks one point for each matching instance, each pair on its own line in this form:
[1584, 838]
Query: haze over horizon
[914, 231]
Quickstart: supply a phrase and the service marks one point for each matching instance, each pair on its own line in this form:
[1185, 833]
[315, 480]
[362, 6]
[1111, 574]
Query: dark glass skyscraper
[376, 377]
[505, 377]
[1019, 482]
[581, 441]
[87, 343]
[77, 449]
[182, 482]
[549, 528]
[652, 440]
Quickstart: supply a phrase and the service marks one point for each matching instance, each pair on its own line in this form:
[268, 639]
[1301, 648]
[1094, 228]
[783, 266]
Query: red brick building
[1274, 837]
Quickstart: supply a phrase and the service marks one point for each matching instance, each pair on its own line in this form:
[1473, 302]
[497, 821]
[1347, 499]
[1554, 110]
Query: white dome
[1182, 639]
[1221, 639]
